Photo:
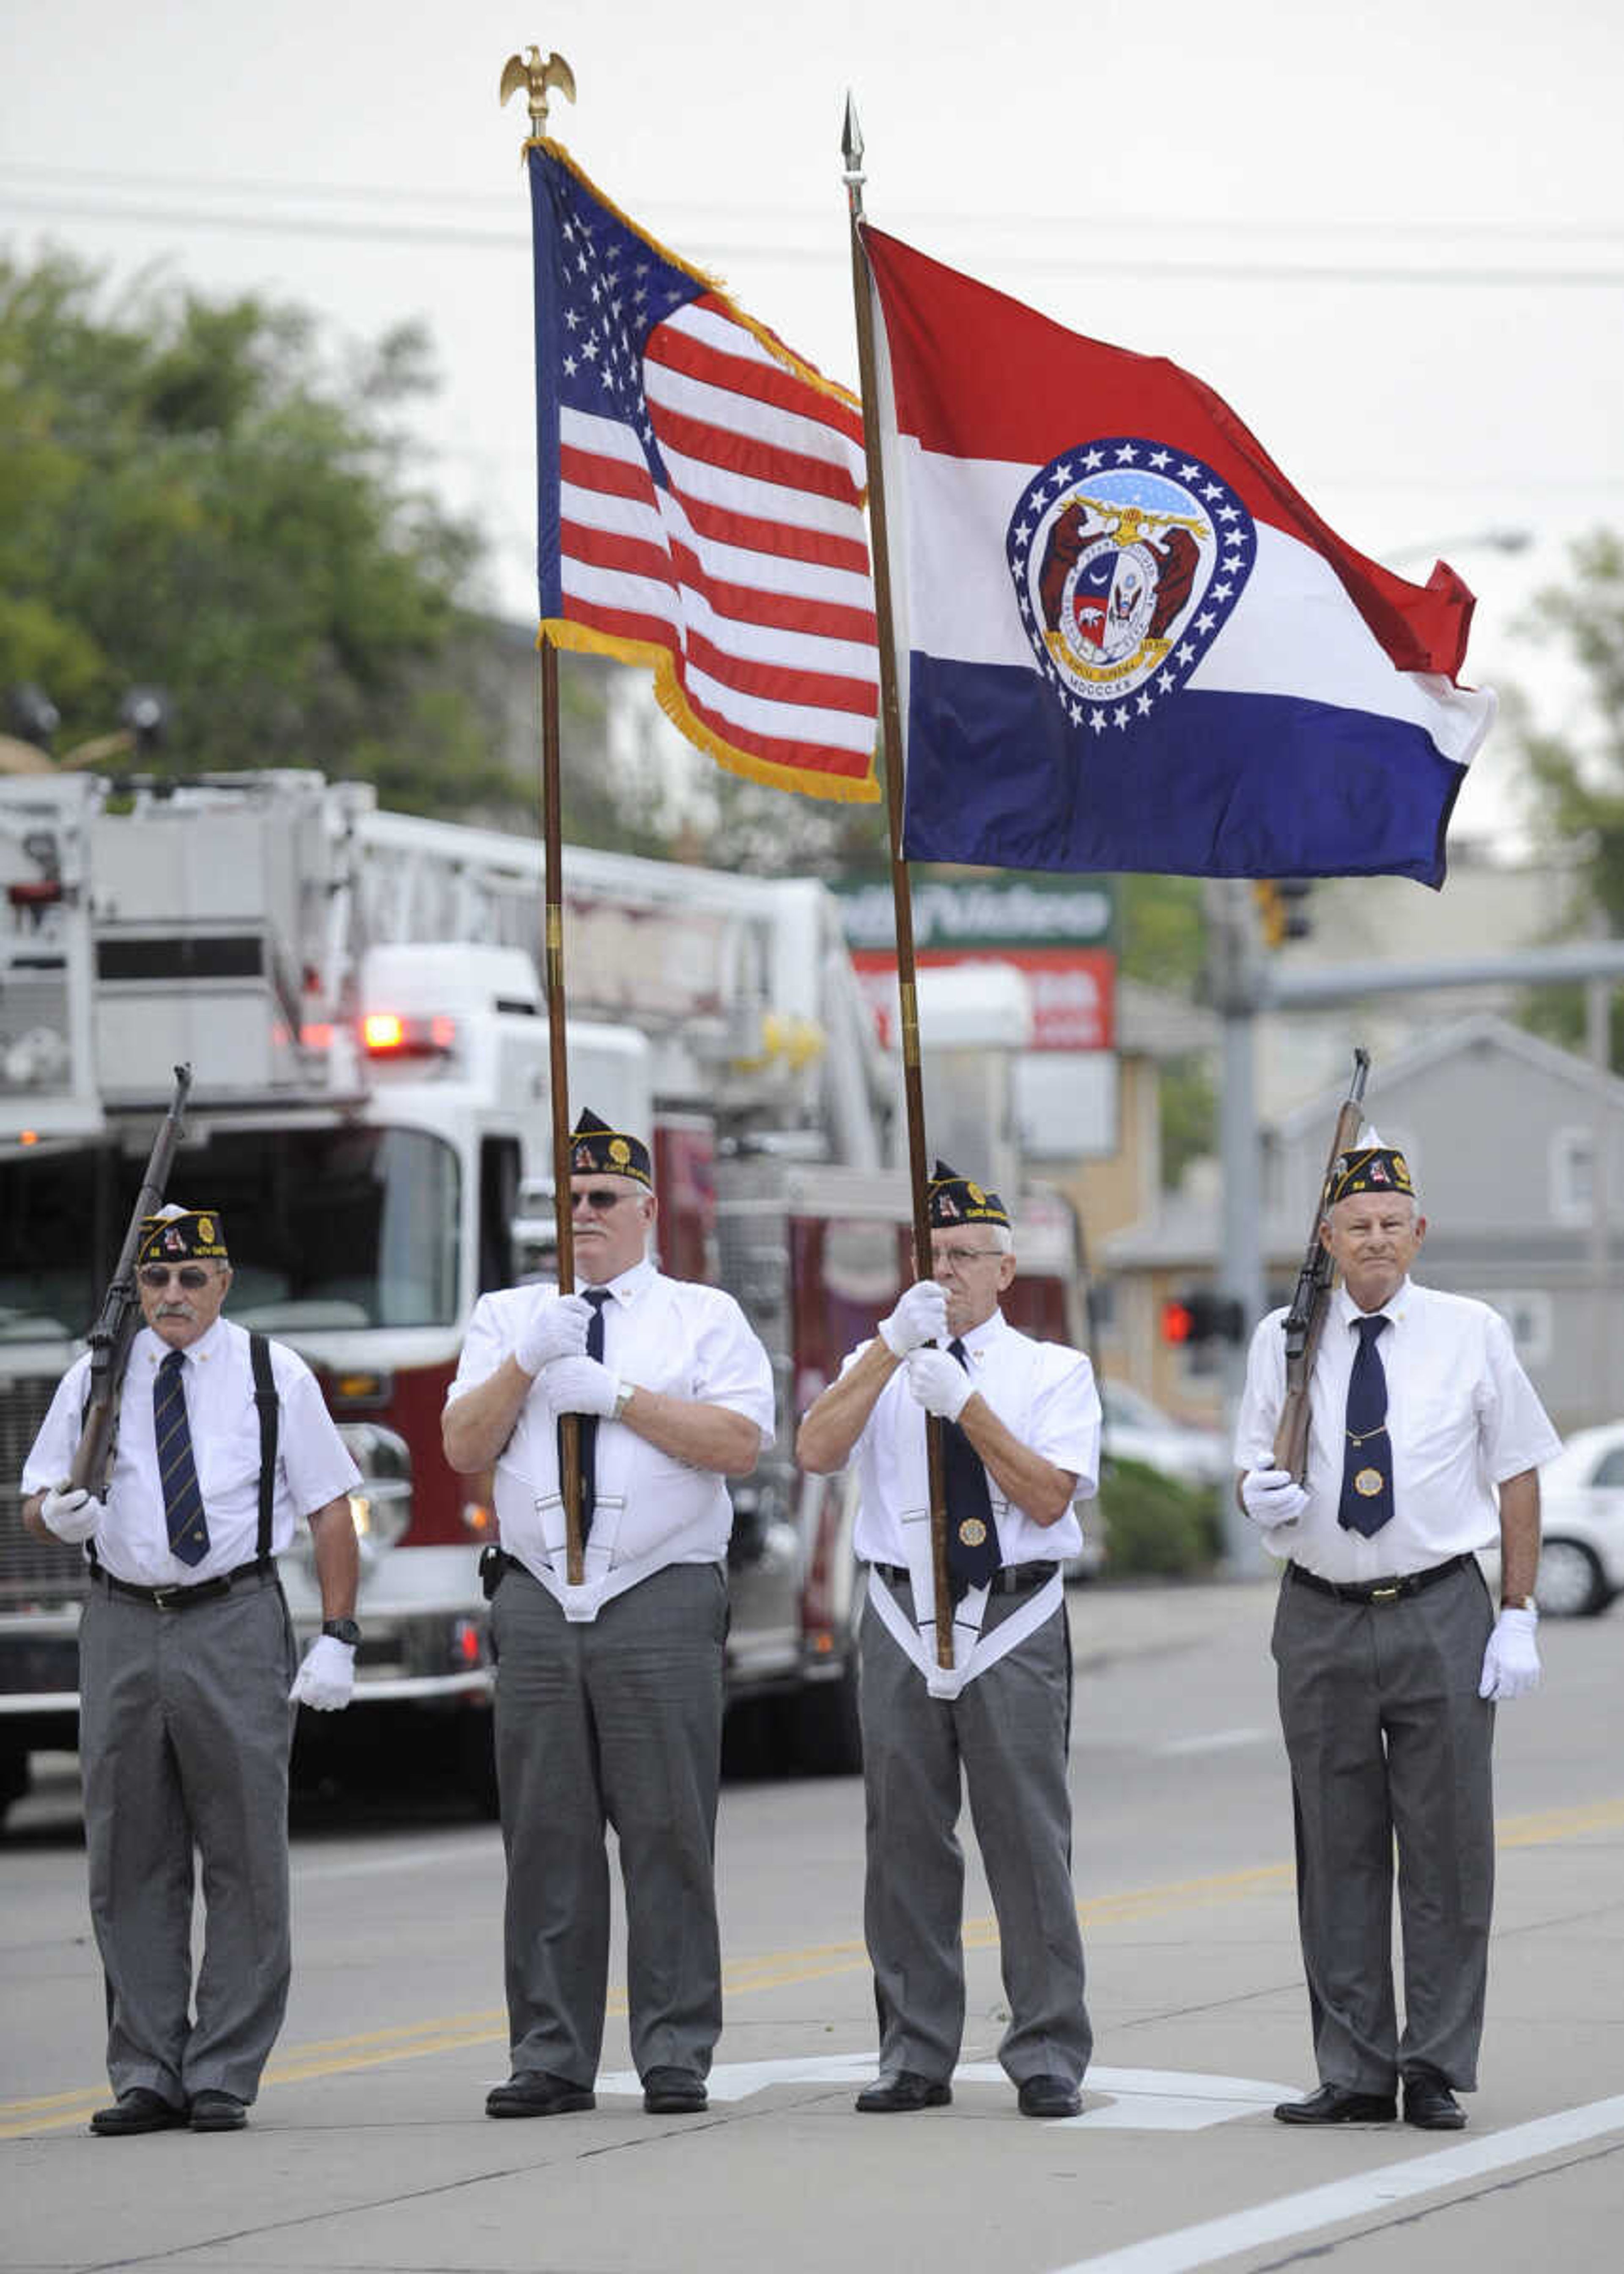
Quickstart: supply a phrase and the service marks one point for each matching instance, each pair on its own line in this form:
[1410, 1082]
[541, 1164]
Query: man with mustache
[186, 1656]
[609, 1691]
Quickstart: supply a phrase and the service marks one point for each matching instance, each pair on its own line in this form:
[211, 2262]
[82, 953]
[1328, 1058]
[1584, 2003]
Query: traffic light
[1281, 914]
[1203, 1316]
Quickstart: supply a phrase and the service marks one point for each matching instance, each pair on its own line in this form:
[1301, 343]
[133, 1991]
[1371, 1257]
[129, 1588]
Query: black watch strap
[341, 1630]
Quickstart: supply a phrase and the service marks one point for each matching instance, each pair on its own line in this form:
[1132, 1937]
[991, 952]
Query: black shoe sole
[665, 2103]
[939, 2096]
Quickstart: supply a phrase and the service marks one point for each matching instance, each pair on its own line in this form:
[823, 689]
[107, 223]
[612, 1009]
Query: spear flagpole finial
[851, 151]
[529, 72]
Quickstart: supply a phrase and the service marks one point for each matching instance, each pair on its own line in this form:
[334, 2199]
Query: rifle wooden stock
[1305, 1321]
[120, 1313]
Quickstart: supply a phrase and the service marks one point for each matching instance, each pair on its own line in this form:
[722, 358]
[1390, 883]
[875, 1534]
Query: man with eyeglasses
[609, 1691]
[186, 1656]
[1020, 1426]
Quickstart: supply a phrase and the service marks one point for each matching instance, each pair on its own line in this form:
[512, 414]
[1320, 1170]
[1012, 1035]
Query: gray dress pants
[1388, 1740]
[1004, 1737]
[618, 1721]
[184, 1728]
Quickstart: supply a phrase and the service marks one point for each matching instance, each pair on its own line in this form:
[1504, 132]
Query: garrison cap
[595, 1149]
[954, 1200]
[1368, 1169]
[178, 1235]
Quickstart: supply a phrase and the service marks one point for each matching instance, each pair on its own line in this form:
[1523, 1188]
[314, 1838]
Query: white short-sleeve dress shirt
[1462, 1416]
[666, 1334]
[313, 1465]
[1043, 1393]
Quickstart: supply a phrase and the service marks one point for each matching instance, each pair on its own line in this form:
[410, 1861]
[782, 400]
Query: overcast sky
[1392, 237]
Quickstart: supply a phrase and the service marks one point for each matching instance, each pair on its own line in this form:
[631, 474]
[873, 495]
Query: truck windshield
[328, 1228]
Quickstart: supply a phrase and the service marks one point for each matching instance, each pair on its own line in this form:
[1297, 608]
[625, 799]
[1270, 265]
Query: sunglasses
[599, 1200]
[190, 1275]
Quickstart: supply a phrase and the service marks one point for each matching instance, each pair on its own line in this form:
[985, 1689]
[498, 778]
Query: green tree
[192, 498]
[1578, 779]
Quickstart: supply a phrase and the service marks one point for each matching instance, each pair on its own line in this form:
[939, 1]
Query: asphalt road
[369, 2148]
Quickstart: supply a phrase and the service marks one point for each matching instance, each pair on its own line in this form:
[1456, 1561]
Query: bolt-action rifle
[120, 1314]
[1305, 1321]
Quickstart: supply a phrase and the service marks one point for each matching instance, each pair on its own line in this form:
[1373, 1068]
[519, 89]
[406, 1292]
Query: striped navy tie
[183, 1502]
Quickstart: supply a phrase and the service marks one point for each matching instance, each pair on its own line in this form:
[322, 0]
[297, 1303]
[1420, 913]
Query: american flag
[701, 494]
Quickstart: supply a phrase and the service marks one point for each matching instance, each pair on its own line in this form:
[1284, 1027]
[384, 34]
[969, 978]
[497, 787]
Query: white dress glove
[71, 1513]
[581, 1385]
[326, 1677]
[1511, 1662]
[556, 1328]
[1272, 1496]
[920, 1317]
[939, 1383]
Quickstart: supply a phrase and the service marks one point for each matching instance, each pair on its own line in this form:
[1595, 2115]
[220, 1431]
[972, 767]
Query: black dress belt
[183, 1598]
[1378, 1591]
[1013, 1579]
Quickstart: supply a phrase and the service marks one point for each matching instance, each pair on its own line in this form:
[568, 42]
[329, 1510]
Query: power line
[468, 237]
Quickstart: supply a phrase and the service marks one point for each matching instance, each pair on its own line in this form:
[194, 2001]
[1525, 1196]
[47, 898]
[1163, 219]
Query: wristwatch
[341, 1630]
[1519, 1603]
[625, 1391]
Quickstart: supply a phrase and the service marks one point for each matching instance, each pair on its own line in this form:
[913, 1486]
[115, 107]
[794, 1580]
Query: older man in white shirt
[609, 1692]
[1020, 1445]
[1424, 1442]
[186, 1655]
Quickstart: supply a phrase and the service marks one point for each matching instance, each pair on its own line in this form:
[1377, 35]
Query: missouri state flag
[701, 493]
[1125, 641]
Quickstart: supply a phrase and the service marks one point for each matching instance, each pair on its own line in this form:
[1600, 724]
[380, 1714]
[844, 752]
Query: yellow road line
[782, 1970]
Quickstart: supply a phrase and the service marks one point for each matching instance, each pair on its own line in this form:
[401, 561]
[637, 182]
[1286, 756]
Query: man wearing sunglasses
[609, 1691]
[186, 1655]
[1021, 1432]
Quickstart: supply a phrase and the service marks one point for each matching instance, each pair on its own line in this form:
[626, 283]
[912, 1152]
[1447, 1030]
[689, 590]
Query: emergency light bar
[386, 1034]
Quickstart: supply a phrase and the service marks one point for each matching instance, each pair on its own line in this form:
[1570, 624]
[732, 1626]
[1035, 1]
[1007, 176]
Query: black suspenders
[265, 1399]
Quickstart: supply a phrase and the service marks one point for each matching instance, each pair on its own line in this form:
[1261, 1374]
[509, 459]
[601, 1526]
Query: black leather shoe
[1429, 2103]
[1333, 2103]
[673, 2092]
[902, 2094]
[533, 2093]
[217, 2112]
[1050, 2095]
[139, 2110]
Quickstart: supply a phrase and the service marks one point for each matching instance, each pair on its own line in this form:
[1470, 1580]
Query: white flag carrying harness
[602, 1579]
[973, 1652]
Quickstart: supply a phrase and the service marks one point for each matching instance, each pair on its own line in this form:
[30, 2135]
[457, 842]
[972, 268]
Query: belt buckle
[164, 1598]
[1386, 1594]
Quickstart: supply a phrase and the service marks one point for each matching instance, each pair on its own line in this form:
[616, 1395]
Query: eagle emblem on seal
[1128, 557]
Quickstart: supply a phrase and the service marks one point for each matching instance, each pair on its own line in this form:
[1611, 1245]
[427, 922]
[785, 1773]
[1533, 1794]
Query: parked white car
[1582, 1517]
[1137, 1430]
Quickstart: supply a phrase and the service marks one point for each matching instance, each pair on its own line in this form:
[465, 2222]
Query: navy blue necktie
[1367, 1455]
[587, 1423]
[972, 1551]
[183, 1502]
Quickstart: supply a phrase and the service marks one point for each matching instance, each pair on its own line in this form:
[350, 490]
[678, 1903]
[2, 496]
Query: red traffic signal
[1202, 1316]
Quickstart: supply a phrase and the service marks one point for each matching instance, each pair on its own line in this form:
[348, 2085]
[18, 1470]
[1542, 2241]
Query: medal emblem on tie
[1368, 1483]
[972, 1531]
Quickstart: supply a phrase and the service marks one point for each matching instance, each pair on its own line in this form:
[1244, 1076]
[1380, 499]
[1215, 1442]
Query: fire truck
[356, 994]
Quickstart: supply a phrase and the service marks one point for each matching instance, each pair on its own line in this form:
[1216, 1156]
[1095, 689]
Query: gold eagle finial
[529, 72]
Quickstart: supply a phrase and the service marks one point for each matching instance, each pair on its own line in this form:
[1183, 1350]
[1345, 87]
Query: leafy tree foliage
[190, 499]
[1579, 782]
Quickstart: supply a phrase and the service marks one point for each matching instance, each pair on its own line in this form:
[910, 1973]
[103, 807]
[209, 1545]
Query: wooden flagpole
[535, 78]
[902, 897]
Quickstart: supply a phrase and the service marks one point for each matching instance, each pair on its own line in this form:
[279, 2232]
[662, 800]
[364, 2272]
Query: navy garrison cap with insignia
[959, 1200]
[597, 1150]
[1368, 1169]
[178, 1235]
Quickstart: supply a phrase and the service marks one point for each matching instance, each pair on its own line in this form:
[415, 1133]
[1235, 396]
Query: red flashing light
[386, 1034]
[1177, 1323]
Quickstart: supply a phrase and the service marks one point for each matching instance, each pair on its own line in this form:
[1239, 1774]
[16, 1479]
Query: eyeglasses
[599, 1200]
[954, 1258]
[190, 1275]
